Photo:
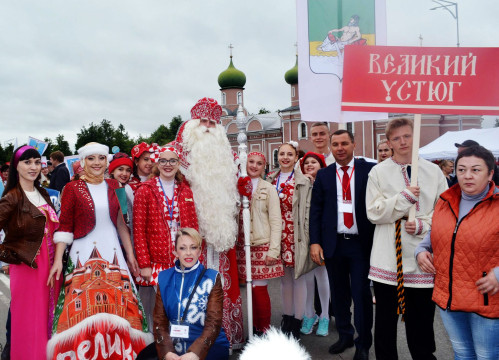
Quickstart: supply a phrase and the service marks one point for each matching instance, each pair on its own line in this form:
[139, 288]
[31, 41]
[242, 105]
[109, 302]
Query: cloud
[67, 63]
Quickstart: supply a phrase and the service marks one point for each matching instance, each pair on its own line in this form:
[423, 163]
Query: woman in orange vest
[464, 240]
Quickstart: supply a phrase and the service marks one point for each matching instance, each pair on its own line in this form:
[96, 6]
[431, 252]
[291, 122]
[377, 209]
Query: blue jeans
[472, 336]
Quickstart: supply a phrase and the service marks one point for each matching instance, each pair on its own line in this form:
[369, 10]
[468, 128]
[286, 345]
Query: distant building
[267, 131]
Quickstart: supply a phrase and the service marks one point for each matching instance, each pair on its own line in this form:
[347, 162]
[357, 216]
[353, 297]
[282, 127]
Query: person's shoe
[323, 328]
[286, 324]
[295, 328]
[361, 354]
[340, 346]
[308, 324]
[6, 352]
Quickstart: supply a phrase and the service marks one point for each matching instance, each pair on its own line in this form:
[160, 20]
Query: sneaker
[323, 328]
[308, 324]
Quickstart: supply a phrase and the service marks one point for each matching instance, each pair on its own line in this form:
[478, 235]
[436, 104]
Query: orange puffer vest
[464, 250]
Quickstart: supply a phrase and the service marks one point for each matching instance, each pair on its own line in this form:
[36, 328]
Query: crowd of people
[143, 254]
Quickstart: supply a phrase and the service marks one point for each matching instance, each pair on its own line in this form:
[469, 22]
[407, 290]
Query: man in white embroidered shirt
[393, 267]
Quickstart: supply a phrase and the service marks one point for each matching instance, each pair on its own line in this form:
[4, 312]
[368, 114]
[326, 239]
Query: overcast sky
[67, 63]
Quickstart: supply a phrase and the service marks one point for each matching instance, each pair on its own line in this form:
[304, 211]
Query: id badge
[173, 229]
[345, 207]
[179, 331]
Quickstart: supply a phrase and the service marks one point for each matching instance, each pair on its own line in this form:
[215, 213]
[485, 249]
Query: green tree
[105, 133]
[160, 136]
[50, 147]
[62, 145]
[163, 134]
[6, 153]
[122, 139]
[175, 125]
[263, 111]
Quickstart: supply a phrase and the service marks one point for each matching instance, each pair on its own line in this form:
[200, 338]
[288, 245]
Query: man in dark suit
[60, 175]
[341, 236]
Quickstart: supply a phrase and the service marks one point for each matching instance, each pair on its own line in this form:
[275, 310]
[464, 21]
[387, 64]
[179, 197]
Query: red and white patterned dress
[171, 221]
[153, 238]
[258, 253]
[286, 191]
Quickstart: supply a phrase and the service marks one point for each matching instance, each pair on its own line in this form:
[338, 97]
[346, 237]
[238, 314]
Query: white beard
[212, 175]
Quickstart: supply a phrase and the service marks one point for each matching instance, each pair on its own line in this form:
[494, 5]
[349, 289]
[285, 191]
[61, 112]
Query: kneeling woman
[189, 306]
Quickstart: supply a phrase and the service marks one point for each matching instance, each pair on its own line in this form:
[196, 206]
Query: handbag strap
[192, 293]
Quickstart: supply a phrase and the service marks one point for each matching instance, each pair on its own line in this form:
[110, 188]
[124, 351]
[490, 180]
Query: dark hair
[479, 152]
[135, 169]
[341, 132]
[4, 167]
[57, 155]
[13, 178]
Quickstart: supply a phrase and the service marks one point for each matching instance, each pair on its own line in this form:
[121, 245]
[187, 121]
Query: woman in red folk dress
[142, 157]
[265, 241]
[162, 205]
[99, 314]
[293, 290]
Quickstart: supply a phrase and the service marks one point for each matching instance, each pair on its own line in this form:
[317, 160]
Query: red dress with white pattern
[170, 218]
[286, 191]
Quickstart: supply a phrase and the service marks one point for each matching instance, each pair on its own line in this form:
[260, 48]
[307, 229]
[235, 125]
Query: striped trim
[409, 279]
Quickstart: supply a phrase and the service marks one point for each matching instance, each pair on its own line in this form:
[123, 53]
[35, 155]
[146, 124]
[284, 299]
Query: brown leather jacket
[24, 227]
[212, 325]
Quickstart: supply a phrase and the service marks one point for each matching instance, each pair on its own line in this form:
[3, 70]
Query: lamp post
[447, 5]
[241, 122]
[444, 4]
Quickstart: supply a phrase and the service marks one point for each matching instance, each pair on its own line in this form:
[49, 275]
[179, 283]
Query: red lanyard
[341, 181]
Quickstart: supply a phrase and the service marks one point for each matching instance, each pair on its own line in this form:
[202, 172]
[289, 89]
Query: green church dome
[291, 75]
[231, 78]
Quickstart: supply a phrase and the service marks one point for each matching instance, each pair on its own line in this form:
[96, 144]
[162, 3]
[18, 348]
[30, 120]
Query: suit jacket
[324, 208]
[59, 177]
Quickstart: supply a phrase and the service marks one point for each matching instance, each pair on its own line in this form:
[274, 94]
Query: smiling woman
[186, 325]
[162, 204]
[29, 220]
[99, 297]
[465, 261]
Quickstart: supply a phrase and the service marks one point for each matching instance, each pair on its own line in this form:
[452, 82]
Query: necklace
[281, 187]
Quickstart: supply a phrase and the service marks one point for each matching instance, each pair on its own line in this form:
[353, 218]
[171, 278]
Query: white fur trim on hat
[93, 148]
[64, 237]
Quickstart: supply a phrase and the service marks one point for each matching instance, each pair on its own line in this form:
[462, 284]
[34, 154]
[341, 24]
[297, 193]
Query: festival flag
[325, 27]
[39, 145]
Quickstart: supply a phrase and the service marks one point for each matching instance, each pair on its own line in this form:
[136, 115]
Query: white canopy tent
[444, 148]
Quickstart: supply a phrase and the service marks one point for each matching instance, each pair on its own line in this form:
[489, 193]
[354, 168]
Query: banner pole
[415, 159]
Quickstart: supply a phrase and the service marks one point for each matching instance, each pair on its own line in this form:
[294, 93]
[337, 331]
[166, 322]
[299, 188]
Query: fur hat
[93, 148]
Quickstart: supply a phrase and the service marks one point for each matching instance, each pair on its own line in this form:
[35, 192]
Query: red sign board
[421, 80]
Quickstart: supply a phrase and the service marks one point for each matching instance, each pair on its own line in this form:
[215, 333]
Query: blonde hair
[397, 123]
[192, 233]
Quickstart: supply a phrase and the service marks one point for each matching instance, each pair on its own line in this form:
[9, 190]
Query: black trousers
[348, 270]
[419, 315]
